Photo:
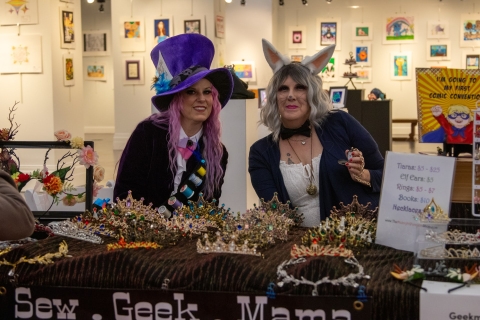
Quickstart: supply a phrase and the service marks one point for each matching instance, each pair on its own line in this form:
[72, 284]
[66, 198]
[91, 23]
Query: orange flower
[362, 55]
[52, 185]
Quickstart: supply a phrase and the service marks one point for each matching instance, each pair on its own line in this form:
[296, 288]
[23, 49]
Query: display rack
[350, 75]
[476, 163]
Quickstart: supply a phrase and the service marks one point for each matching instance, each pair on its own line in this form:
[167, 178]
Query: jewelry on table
[312, 188]
[358, 178]
[453, 237]
[433, 213]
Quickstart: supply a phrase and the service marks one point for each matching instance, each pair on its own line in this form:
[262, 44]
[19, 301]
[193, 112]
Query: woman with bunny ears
[315, 157]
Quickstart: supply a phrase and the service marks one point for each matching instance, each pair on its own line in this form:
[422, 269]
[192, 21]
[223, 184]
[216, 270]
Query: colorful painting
[445, 105]
[363, 54]
[297, 36]
[161, 30]
[95, 72]
[472, 61]
[362, 31]
[95, 43]
[20, 54]
[437, 50]
[328, 32]
[192, 26]
[67, 30]
[399, 29]
[296, 57]
[132, 34]
[328, 73]
[245, 70]
[68, 70]
[15, 12]
[364, 75]
[470, 30]
[401, 66]
[338, 96]
[132, 29]
[438, 29]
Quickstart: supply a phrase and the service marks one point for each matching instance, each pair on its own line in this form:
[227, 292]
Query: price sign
[410, 182]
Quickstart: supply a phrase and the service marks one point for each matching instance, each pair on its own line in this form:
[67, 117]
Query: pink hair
[213, 148]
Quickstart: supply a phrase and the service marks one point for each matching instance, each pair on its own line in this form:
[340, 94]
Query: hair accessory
[183, 60]
[221, 246]
[453, 237]
[69, 229]
[282, 208]
[408, 276]
[305, 129]
[318, 251]
[165, 284]
[122, 244]
[433, 213]
[465, 278]
[314, 63]
[440, 252]
[348, 281]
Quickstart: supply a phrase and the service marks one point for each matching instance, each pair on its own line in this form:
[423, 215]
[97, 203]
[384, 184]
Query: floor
[108, 158]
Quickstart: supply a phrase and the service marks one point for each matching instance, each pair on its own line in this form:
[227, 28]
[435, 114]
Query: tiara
[318, 251]
[433, 213]
[202, 209]
[440, 252]
[281, 208]
[348, 281]
[225, 245]
[453, 237]
[69, 229]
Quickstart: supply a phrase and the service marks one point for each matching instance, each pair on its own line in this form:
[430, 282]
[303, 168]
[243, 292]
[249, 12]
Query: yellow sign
[446, 99]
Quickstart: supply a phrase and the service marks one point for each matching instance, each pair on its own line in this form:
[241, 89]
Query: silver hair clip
[69, 229]
[453, 237]
[440, 252]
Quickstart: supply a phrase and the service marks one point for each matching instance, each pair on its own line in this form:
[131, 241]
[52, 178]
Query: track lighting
[329, 1]
[243, 2]
[90, 1]
[228, 1]
[101, 9]
[305, 2]
[280, 2]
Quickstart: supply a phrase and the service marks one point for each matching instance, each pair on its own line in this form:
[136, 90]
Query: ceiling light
[280, 2]
[354, 7]
[329, 1]
[90, 1]
[305, 2]
[101, 9]
[243, 2]
[228, 1]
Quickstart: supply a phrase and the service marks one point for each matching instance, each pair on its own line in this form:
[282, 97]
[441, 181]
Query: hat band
[185, 74]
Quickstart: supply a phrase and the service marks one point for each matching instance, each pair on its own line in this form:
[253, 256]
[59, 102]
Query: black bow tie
[304, 130]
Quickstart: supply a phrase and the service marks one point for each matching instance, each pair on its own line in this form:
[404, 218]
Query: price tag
[410, 182]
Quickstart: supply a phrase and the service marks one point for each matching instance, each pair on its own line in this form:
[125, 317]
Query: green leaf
[61, 173]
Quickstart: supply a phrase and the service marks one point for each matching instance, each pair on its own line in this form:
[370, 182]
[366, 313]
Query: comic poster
[446, 100]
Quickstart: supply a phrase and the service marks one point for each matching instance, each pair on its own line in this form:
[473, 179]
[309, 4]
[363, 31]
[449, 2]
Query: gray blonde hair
[317, 98]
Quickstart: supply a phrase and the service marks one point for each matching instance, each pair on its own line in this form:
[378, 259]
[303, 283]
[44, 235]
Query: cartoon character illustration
[456, 126]
[398, 29]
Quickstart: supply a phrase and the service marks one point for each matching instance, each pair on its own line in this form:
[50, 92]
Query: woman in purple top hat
[176, 154]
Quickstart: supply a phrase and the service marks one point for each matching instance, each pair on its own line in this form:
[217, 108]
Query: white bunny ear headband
[315, 63]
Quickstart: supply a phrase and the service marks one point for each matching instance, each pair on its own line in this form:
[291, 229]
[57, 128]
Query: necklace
[302, 141]
[312, 188]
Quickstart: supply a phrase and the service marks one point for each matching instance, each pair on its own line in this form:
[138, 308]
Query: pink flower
[62, 135]
[96, 188]
[88, 157]
[98, 173]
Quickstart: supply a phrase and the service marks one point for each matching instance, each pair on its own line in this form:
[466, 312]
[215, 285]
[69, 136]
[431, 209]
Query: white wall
[403, 93]
[98, 95]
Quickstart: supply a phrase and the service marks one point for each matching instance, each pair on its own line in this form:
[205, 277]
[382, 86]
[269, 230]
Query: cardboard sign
[410, 182]
[437, 303]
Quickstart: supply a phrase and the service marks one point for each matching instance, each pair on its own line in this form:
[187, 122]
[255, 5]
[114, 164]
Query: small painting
[192, 26]
[219, 26]
[245, 70]
[18, 12]
[437, 50]
[95, 72]
[20, 54]
[68, 70]
[470, 30]
[338, 96]
[262, 98]
[438, 29]
[363, 54]
[399, 29]
[95, 43]
[297, 36]
[472, 61]
[133, 71]
[328, 32]
[161, 29]
[132, 34]
[401, 66]
[296, 58]
[364, 75]
[328, 73]
[67, 29]
[362, 31]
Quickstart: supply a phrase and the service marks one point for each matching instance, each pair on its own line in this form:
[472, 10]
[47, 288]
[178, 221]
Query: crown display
[315, 250]
[433, 213]
[225, 245]
[68, 229]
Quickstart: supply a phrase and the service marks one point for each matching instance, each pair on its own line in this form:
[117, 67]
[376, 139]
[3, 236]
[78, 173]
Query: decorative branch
[11, 116]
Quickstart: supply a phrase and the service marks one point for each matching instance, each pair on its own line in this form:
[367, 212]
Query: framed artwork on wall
[220, 26]
[328, 31]
[469, 30]
[329, 72]
[95, 43]
[95, 71]
[438, 50]
[68, 70]
[162, 29]
[364, 75]
[297, 37]
[362, 31]
[18, 12]
[192, 26]
[245, 70]
[471, 60]
[399, 29]
[133, 73]
[67, 27]
[132, 34]
[262, 98]
[401, 65]
[438, 29]
[363, 54]
[21, 54]
[338, 96]
[296, 57]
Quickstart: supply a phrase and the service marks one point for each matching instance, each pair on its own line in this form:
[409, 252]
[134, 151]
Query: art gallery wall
[403, 93]
[46, 105]
[98, 95]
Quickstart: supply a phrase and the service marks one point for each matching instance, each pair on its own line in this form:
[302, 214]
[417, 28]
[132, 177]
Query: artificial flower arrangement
[57, 183]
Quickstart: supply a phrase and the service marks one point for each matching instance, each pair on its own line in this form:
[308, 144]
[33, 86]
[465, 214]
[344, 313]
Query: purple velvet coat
[144, 166]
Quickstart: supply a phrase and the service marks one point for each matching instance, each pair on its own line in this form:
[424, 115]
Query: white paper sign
[437, 303]
[410, 182]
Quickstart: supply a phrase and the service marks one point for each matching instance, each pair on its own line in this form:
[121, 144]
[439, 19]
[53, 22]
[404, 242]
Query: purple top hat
[183, 60]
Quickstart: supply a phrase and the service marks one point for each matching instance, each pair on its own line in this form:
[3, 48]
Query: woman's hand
[356, 166]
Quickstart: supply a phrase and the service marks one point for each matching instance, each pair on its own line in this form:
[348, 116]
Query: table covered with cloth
[92, 265]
